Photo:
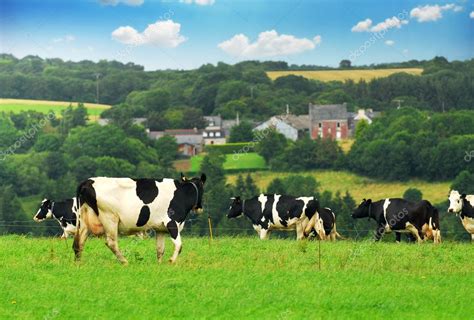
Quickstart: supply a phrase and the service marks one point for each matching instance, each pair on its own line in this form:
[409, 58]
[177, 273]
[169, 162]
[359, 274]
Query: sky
[185, 34]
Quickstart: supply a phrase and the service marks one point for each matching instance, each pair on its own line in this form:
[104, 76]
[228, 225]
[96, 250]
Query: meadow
[43, 106]
[236, 278]
[359, 186]
[341, 75]
[241, 161]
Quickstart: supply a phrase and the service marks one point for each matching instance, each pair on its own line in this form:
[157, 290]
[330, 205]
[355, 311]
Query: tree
[344, 64]
[167, 149]
[56, 165]
[192, 118]
[12, 212]
[276, 186]
[251, 189]
[464, 182]
[272, 145]
[241, 133]
[413, 194]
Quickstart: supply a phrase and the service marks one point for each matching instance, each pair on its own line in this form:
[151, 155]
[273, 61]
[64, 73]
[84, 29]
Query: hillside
[358, 186]
[44, 106]
[341, 75]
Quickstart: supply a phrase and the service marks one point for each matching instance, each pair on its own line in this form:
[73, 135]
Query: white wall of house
[280, 126]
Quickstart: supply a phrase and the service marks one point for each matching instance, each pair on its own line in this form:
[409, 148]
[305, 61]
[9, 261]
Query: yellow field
[341, 75]
[358, 186]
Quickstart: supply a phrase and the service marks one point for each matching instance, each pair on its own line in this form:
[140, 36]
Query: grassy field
[359, 187]
[18, 105]
[238, 161]
[236, 278]
[341, 75]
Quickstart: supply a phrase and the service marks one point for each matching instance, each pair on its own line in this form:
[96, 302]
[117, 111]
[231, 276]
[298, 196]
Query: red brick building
[329, 121]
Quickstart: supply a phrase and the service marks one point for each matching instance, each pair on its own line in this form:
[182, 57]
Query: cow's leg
[398, 237]
[264, 234]
[111, 233]
[299, 231]
[379, 232]
[472, 237]
[160, 245]
[79, 239]
[176, 238]
[415, 232]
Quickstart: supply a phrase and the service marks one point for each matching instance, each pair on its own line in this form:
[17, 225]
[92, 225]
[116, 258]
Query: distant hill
[341, 75]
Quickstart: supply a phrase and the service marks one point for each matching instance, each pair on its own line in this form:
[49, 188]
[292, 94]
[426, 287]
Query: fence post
[210, 228]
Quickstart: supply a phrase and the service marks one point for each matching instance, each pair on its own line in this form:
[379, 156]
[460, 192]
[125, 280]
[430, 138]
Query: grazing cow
[326, 228]
[463, 205]
[64, 212]
[419, 219]
[273, 211]
[112, 205]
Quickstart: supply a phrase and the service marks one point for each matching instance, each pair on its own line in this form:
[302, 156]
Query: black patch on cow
[63, 211]
[172, 229]
[86, 194]
[147, 190]
[144, 216]
[467, 209]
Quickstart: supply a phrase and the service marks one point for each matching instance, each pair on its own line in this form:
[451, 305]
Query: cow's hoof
[171, 261]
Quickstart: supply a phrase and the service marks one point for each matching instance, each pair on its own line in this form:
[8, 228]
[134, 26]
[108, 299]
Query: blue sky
[185, 34]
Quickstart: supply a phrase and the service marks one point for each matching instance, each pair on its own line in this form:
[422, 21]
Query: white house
[291, 126]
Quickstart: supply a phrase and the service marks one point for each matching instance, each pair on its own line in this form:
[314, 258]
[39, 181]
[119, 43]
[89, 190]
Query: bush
[413, 194]
[229, 148]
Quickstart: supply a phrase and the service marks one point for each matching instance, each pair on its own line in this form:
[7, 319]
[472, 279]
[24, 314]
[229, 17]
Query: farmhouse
[214, 132]
[190, 141]
[291, 126]
[329, 121]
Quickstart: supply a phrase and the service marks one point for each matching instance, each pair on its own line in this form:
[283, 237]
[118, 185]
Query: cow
[275, 212]
[419, 219]
[463, 205]
[123, 205]
[64, 212]
[325, 229]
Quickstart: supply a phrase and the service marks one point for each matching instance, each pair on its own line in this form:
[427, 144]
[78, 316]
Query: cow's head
[198, 183]
[455, 201]
[236, 208]
[362, 210]
[44, 211]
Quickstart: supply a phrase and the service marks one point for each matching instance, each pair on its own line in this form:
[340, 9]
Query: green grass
[242, 161]
[236, 278]
[18, 105]
[341, 75]
[359, 187]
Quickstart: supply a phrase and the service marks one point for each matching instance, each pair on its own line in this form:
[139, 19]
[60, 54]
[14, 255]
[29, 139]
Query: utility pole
[251, 92]
[97, 76]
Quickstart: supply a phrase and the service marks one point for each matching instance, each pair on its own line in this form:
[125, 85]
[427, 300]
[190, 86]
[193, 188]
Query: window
[320, 125]
[218, 134]
[204, 134]
[211, 134]
[338, 124]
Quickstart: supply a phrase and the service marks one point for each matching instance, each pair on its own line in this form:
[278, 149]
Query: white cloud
[268, 44]
[199, 2]
[405, 51]
[366, 25]
[432, 13]
[389, 23]
[161, 33]
[66, 38]
[133, 3]
[362, 26]
[389, 42]
[471, 15]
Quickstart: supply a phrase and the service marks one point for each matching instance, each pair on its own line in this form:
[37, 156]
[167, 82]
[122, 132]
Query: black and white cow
[325, 228]
[463, 205]
[122, 205]
[275, 212]
[64, 212]
[419, 219]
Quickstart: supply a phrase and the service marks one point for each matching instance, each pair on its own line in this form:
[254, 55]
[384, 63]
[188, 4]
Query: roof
[216, 120]
[189, 136]
[298, 122]
[319, 112]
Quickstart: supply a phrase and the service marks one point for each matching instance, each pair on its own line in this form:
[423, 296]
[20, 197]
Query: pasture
[43, 106]
[359, 186]
[341, 75]
[241, 161]
[236, 278]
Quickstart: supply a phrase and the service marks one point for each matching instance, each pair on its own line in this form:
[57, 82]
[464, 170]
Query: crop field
[234, 278]
[341, 75]
[360, 187]
[18, 105]
[249, 160]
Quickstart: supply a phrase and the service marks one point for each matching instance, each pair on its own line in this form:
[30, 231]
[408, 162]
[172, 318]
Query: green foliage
[413, 194]
[241, 133]
[167, 150]
[464, 182]
[295, 185]
[228, 148]
[272, 145]
[13, 218]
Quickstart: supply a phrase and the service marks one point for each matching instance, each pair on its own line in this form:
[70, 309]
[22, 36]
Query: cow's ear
[369, 201]
[203, 178]
[463, 196]
[183, 178]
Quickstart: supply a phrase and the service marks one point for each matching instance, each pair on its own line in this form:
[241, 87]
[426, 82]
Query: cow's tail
[85, 194]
